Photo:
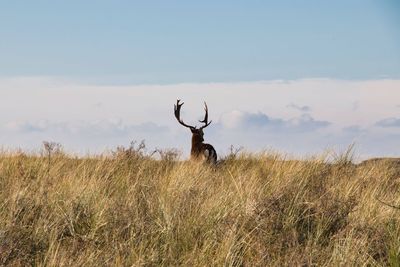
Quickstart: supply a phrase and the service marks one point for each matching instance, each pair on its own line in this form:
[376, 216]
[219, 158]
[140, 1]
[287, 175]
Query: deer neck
[197, 141]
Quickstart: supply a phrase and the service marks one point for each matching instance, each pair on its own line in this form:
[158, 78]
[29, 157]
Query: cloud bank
[298, 117]
[389, 122]
[245, 121]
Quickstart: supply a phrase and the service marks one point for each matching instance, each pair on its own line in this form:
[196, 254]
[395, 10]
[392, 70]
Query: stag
[199, 150]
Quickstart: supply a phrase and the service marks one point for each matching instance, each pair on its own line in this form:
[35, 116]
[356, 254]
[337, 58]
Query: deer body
[202, 150]
[199, 150]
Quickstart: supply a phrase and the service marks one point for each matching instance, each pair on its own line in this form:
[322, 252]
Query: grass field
[128, 209]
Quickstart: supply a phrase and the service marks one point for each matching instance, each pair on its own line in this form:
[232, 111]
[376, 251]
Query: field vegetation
[131, 208]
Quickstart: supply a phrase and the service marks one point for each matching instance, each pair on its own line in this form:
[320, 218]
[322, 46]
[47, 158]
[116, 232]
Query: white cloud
[233, 119]
[255, 114]
[389, 122]
[256, 121]
[299, 108]
[101, 128]
[355, 129]
[26, 127]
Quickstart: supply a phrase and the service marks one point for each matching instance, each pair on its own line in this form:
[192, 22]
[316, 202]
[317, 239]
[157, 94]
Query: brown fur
[199, 148]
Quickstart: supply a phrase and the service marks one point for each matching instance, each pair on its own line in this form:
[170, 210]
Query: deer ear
[193, 130]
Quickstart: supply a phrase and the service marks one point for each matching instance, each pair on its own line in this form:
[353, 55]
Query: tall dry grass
[128, 209]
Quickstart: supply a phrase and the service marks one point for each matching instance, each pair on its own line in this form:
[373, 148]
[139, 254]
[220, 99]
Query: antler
[205, 117]
[177, 111]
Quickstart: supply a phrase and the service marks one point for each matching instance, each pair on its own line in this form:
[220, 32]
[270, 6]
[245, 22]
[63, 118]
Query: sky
[299, 77]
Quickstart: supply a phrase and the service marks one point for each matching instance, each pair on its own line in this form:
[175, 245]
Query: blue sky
[200, 41]
[296, 76]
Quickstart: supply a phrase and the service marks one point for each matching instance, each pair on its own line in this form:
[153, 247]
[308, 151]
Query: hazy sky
[297, 76]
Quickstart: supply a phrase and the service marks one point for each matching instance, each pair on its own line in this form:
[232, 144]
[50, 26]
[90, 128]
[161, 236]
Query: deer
[200, 150]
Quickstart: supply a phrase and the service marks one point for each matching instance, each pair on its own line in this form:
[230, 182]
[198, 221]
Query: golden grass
[252, 210]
